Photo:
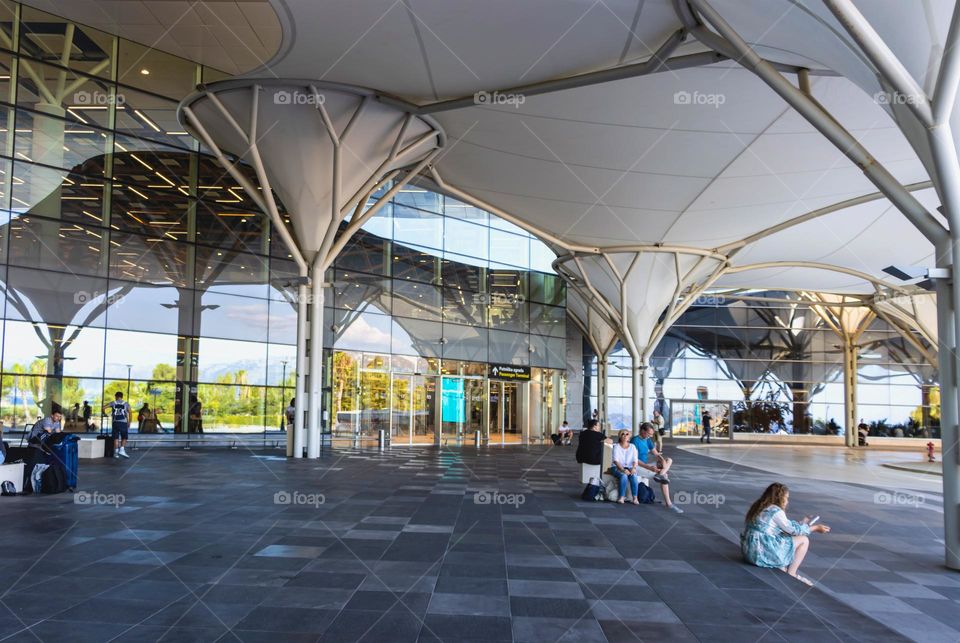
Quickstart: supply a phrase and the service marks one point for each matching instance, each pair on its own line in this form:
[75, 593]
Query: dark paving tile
[469, 605]
[327, 580]
[550, 630]
[468, 585]
[617, 631]
[547, 607]
[452, 628]
[287, 619]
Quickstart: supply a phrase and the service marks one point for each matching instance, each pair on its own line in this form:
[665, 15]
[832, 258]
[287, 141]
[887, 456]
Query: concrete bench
[13, 473]
[89, 449]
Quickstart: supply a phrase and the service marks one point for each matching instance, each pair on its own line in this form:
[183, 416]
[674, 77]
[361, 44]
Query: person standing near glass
[119, 411]
[658, 424]
[290, 413]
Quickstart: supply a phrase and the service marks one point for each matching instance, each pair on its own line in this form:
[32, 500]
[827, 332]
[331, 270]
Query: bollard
[476, 439]
[381, 439]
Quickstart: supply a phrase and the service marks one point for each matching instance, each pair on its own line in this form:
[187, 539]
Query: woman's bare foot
[636, 502]
[802, 579]
[621, 501]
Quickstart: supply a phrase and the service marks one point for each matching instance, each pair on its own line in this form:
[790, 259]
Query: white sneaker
[675, 509]
[123, 453]
[116, 454]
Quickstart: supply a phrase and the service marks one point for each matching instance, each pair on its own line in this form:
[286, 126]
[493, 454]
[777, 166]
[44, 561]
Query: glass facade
[130, 260]
[777, 367]
[426, 298]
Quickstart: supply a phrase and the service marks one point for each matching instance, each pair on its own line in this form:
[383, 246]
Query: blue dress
[768, 540]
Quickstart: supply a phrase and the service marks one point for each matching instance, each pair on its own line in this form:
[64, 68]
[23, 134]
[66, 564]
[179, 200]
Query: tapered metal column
[301, 403]
[316, 363]
[850, 391]
[602, 367]
[639, 399]
[947, 357]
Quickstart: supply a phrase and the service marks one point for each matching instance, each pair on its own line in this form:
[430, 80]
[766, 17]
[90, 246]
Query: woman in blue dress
[770, 539]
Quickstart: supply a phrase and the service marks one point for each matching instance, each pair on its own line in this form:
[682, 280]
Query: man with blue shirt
[659, 467]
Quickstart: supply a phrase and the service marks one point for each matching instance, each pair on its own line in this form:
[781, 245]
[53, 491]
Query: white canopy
[700, 157]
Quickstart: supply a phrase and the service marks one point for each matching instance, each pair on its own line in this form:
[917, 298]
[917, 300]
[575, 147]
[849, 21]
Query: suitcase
[108, 445]
[67, 455]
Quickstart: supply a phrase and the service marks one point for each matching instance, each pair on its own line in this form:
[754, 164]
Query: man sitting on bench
[653, 465]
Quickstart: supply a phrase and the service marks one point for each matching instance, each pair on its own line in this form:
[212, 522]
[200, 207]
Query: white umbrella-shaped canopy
[290, 123]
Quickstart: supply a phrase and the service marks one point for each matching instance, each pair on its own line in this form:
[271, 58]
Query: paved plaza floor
[426, 544]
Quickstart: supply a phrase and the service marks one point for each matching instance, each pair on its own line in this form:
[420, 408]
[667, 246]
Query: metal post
[644, 393]
[381, 439]
[850, 390]
[301, 403]
[602, 387]
[316, 365]
[637, 398]
[947, 357]
[476, 439]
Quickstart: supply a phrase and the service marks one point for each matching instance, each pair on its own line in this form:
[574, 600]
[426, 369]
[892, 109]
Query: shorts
[120, 430]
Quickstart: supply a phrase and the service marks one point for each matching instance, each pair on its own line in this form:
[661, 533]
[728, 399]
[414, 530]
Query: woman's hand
[822, 529]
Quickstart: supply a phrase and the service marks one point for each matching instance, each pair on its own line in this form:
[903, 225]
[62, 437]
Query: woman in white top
[625, 462]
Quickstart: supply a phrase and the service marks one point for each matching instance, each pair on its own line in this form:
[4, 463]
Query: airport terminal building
[132, 261]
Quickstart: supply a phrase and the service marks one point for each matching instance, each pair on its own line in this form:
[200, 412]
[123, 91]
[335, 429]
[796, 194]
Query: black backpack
[645, 495]
[593, 492]
[53, 480]
[7, 489]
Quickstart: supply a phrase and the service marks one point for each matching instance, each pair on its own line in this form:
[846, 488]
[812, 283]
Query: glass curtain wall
[781, 368]
[130, 261]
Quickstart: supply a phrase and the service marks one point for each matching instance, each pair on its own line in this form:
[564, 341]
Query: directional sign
[509, 372]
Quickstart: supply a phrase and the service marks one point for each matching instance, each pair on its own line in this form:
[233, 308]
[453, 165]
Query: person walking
[707, 420]
[87, 414]
[119, 411]
[658, 424]
[290, 413]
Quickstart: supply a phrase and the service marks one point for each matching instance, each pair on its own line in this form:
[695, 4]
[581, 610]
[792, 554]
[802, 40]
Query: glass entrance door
[504, 419]
[374, 404]
[461, 409]
[413, 415]
[512, 431]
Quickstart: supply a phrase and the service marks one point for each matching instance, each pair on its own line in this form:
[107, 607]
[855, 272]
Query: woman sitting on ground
[770, 539]
[625, 462]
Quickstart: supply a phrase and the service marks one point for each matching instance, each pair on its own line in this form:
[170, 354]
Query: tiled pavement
[399, 547]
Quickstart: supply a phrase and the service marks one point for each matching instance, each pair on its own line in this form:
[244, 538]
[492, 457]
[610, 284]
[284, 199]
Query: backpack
[7, 489]
[593, 491]
[557, 440]
[53, 480]
[645, 495]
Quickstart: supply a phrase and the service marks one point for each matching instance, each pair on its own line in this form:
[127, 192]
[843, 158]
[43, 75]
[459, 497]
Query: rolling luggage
[108, 445]
[66, 454]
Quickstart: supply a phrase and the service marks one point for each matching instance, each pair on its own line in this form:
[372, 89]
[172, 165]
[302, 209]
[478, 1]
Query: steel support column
[850, 391]
[315, 364]
[301, 402]
[947, 358]
[602, 367]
